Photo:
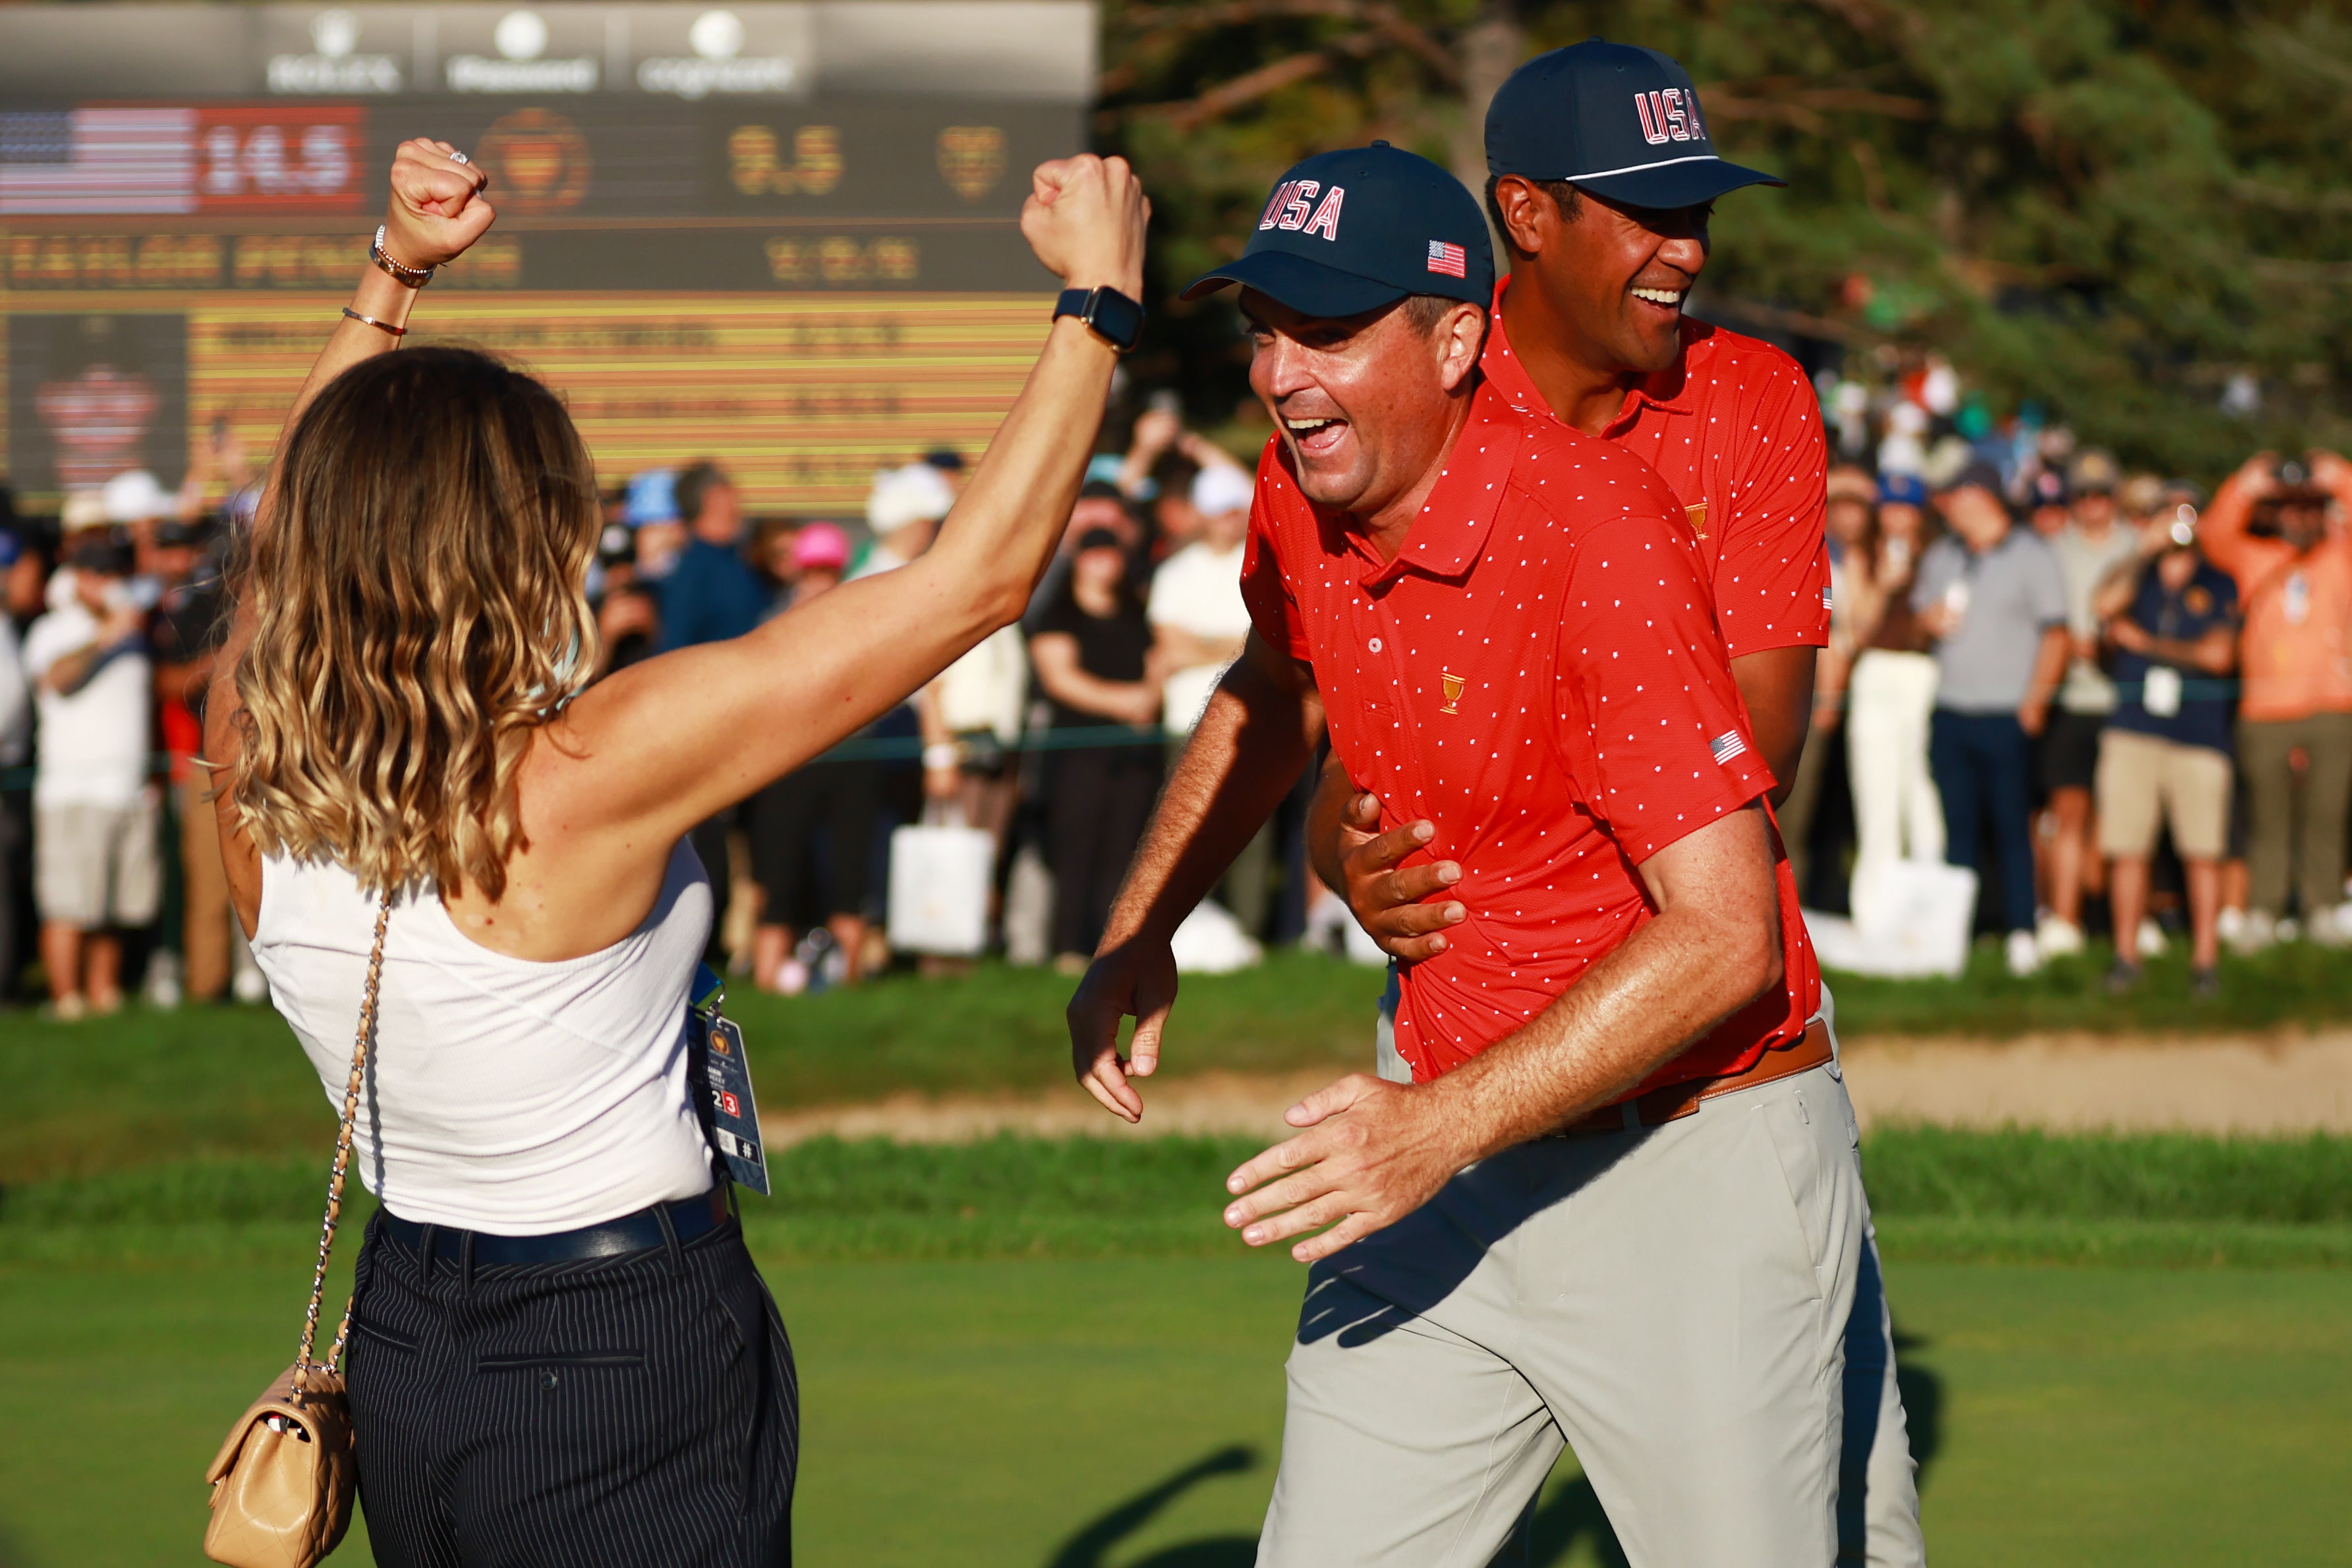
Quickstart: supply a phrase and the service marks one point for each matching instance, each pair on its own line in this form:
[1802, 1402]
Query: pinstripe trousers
[633, 1411]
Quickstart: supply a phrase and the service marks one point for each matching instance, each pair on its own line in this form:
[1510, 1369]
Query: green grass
[2295, 984]
[1021, 1413]
[148, 1088]
[1936, 1193]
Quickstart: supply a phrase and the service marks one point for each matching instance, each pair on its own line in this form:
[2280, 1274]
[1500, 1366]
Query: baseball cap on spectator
[83, 509]
[1616, 119]
[652, 497]
[2140, 495]
[135, 497]
[1105, 467]
[917, 493]
[945, 459]
[820, 547]
[1978, 473]
[1347, 232]
[178, 531]
[1902, 490]
[2049, 489]
[1946, 459]
[1851, 483]
[2093, 473]
[105, 551]
[1219, 489]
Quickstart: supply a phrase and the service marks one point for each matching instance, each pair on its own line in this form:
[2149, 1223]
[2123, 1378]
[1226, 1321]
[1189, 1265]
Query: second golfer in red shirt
[1619, 1205]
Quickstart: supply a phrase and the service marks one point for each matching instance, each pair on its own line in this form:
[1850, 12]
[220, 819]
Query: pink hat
[820, 547]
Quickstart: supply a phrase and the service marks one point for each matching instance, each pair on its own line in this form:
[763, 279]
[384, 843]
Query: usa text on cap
[1352, 231]
[1616, 119]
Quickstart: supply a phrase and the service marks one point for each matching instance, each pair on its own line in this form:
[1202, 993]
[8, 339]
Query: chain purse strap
[302, 1362]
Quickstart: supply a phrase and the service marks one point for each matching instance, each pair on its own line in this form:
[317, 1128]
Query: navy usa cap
[1352, 231]
[1620, 121]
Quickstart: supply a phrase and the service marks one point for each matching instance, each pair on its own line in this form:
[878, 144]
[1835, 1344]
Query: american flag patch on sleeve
[1726, 745]
[1449, 259]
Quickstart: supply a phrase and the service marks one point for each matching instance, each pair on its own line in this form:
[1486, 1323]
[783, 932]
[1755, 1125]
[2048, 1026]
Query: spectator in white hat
[1199, 623]
[95, 869]
[1198, 619]
[137, 496]
[904, 509]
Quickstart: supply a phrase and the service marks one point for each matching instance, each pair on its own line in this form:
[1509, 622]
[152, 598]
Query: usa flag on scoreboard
[98, 161]
[1449, 259]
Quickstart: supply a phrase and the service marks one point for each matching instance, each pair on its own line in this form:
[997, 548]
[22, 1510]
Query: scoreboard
[782, 236]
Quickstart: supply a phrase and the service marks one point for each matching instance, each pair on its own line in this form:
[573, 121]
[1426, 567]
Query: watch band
[1108, 315]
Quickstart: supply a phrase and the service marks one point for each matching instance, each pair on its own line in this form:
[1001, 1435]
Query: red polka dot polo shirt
[1736, 433]
[1538, 672]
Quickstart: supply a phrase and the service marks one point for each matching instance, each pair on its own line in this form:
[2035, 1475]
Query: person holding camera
[2171, 619]
[559, 1349]
[97, 871]
[2277, 529]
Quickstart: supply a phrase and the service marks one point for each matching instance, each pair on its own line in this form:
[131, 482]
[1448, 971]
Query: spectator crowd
[2125, 706]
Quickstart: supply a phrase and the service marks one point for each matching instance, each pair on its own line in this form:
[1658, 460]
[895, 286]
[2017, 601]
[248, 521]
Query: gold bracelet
[397, 332]
[415, 276]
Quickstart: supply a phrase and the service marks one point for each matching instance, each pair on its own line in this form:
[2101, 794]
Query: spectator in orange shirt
[2296, 585]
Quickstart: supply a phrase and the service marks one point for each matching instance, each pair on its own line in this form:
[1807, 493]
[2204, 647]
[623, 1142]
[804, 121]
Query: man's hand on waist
[1372, 1152]
[1388, 898]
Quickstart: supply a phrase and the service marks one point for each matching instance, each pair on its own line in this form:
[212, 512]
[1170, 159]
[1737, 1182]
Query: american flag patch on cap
[1726, 745]
[1449, 259]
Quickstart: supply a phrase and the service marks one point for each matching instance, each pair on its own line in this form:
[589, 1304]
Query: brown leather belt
[1675, 1100]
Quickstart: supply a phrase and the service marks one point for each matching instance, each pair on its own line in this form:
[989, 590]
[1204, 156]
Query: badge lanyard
[732, 1117]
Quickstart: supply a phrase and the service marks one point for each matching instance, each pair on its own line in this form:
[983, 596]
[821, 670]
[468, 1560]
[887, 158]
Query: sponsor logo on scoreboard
[335, 64]
[718, 64]
[522, 64]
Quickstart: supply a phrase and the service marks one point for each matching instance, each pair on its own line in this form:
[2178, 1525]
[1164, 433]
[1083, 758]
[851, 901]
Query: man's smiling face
[1361, 401]
[1619, 274]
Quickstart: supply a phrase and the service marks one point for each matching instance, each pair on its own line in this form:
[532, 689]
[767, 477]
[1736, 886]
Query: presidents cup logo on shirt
[1669, 116]
[1294, 208]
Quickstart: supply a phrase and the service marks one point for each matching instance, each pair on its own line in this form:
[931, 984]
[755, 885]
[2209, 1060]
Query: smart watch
[1108, 315]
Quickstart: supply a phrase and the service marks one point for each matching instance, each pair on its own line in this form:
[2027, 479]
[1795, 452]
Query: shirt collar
[1446, 537]
[1669, 390]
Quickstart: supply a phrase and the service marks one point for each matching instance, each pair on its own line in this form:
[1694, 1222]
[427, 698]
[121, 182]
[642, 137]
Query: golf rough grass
[1936, 1193]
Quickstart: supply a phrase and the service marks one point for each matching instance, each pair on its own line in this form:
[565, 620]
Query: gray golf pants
[1673, 1302]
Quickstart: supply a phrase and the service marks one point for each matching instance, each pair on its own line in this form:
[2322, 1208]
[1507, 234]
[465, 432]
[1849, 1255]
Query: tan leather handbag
[282, 1483]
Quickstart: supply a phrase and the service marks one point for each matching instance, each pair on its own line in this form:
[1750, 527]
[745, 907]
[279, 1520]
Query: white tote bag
[939, 881]
[1912, 918]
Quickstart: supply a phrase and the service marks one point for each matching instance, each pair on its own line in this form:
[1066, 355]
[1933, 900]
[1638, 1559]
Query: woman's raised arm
[437, 210]
[664, 744]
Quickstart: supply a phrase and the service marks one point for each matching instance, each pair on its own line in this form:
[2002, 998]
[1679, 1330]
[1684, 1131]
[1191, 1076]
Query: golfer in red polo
[1618, 1206]
[1602, 178]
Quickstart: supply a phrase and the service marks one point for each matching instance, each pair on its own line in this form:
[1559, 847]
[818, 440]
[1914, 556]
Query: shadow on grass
[1091, 1547]
[1546, 1537]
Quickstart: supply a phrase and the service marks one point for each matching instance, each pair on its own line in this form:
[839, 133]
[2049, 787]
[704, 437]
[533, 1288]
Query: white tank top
[502, 1094]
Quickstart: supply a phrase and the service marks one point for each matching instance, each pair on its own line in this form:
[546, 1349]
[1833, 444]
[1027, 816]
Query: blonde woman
[561, 1350]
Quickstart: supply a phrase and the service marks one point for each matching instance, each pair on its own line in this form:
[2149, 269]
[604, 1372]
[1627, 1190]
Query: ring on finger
[459, 158]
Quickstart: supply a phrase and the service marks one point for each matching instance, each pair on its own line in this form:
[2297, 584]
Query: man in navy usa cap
[1612, 1197]
[1602, 176]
